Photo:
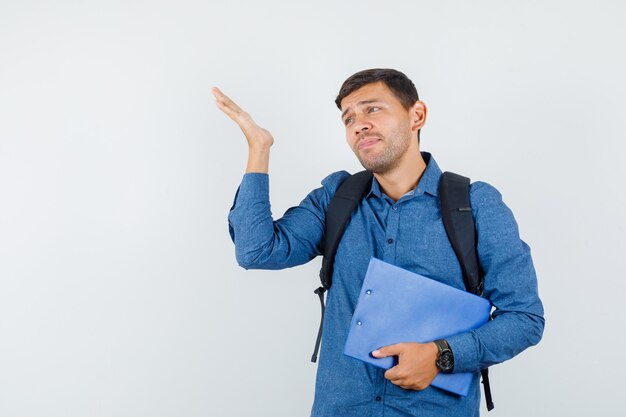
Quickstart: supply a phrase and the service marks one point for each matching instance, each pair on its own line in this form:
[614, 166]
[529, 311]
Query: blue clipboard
[396, 305]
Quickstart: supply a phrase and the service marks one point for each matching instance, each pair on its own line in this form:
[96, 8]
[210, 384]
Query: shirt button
[394, 208]
[378, 398]
[390, 241]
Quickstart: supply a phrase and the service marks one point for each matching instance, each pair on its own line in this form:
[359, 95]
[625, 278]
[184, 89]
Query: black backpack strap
[487, 388]
[340, 209]
[456, 213]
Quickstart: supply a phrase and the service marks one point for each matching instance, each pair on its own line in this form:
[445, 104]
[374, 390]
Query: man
[399, 222]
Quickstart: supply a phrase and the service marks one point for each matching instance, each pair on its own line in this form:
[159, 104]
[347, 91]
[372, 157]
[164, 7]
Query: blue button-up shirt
[408, 233]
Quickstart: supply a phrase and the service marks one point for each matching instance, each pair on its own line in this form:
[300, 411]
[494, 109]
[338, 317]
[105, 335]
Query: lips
[367, 143]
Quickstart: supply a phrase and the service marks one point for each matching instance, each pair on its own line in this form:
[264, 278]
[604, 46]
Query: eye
[373, 109]
[347, 121]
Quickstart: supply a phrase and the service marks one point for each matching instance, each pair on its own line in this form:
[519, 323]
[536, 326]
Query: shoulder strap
[456, 213]
[458, 220]
[338, 213]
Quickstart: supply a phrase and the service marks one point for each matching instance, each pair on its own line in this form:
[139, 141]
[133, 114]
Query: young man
[398, 221]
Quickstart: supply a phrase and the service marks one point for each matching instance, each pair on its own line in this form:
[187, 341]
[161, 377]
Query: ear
[418, 112]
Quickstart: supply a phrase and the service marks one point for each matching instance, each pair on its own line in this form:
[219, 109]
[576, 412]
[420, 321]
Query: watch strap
[442, 345]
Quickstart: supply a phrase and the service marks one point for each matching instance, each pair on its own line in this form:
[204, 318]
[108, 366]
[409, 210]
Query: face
[379, 130]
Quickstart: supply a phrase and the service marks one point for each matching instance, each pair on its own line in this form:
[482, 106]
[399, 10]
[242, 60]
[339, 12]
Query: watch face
[445, 363]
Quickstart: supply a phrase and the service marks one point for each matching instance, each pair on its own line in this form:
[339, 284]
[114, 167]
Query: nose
[361, 124]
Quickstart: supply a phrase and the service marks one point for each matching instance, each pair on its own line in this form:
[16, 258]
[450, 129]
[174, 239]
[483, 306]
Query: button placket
[393, 221]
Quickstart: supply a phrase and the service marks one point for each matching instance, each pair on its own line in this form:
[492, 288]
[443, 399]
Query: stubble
[381, 161]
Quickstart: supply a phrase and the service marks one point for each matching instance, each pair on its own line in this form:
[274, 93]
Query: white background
[119, 291]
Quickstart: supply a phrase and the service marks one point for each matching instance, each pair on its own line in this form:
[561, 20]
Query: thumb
[391, 350]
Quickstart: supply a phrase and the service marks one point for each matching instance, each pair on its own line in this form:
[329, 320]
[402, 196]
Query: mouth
[367, 142]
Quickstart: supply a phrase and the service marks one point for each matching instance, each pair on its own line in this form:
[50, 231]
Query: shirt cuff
[254, 186]
[465, 353]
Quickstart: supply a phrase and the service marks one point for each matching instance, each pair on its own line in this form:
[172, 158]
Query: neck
[403, 178]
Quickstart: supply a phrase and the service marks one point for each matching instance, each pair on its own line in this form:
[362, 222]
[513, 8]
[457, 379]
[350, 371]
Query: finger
[391, 350]
[236, 113]
[233, 114]
[218, 94]
[225, 100]
[392, 374]
[216, 91]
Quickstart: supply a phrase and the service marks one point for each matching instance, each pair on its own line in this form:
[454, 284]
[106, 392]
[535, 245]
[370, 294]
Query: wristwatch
[445, 358]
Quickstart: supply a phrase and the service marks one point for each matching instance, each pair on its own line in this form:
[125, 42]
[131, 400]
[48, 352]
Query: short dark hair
[399, 84]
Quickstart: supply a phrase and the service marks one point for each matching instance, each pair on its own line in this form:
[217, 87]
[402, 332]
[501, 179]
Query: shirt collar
[428, 183]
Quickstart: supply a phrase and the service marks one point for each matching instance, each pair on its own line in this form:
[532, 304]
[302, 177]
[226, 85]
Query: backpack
[459, 224]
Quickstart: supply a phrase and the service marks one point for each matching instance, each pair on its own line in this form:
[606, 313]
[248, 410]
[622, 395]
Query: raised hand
[257, 137]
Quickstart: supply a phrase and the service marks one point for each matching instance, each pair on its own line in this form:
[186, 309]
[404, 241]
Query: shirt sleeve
[297, 237]
[510, 285]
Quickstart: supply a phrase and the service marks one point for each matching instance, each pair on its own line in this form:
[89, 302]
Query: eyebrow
[374, 100]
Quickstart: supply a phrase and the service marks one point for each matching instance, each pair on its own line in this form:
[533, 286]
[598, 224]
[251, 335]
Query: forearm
[495, 342]
[511, 285]
[258, 159]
